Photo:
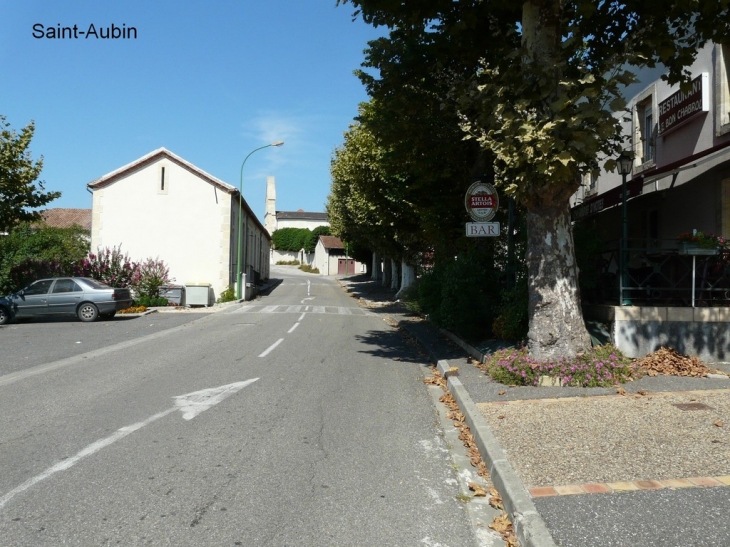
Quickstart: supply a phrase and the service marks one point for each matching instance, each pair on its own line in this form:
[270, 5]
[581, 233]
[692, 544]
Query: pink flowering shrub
[109, 266]
[152, 274]
[604, 366]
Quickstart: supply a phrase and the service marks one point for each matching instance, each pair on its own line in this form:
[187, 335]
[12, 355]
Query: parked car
[84, 297]
[6, 308]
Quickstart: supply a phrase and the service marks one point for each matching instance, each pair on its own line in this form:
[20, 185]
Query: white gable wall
[186, 222]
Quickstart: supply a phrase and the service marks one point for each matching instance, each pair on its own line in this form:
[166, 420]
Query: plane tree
[21, 194]
[537, 85]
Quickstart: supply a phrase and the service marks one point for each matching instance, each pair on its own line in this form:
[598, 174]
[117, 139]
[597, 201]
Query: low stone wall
[637, 331]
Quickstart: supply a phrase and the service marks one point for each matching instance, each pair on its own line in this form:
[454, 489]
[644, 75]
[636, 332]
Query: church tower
[270, 216]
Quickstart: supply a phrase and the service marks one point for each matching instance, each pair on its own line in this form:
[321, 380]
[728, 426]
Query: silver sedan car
[86, 298]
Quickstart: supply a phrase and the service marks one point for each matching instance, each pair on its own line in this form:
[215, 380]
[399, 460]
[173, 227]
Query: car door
[65, 296]
[33, 300]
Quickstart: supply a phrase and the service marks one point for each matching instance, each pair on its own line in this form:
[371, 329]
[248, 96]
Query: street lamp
[240, 217]
[624, 164]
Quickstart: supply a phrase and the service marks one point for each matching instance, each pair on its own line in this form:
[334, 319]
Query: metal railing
[659, 273]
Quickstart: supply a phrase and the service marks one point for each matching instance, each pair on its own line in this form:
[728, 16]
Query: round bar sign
[482, 201]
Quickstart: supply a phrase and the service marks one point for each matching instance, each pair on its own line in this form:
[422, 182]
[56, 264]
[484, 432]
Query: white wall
[187, 223]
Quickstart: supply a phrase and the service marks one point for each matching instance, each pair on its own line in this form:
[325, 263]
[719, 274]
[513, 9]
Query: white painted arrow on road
[196, 402]
[190, 405]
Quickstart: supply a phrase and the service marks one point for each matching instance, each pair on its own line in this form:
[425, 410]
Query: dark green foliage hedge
[290, 239]
[313, 237]
[296, 239]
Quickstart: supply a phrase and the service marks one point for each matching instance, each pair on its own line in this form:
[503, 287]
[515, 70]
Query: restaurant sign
[682, 106]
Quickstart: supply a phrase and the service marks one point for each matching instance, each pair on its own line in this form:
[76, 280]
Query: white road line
[344, 311]
[292, 329]
[272, 347]
[301, 317]
[93, 448]
[269, 309]
[190, 404]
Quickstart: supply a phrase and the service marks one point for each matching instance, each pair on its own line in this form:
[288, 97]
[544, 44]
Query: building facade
[162, 206]
[679, 181]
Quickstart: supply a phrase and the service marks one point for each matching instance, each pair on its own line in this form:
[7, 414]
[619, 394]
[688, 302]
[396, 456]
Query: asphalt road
[296, 419]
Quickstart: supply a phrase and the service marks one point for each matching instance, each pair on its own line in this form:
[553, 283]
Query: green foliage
[534, 84]
[460, 295]
[31, 252]
[151, 274]
[290, 239]
[309, 269]
[604, 366]
[229, 295]
[20, 192]
[311, 242]
[151, 302]
[111, 267]
[512, 318]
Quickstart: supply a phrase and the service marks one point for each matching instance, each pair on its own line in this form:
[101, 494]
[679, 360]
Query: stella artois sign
[481, 201]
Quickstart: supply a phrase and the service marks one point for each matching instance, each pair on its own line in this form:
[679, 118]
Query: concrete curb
[529, 527]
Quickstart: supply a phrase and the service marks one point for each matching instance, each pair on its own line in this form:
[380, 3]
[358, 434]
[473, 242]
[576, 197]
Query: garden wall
[637, 331]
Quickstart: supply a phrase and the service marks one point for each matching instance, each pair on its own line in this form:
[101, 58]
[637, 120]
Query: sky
[209, 81]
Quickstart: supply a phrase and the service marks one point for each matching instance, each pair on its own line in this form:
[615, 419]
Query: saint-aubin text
[109, 32]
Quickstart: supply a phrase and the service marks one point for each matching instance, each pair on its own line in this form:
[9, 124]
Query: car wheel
[88, 312]
[4, 316]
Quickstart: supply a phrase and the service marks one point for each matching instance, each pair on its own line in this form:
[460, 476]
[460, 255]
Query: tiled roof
[301, 215]
[331, 242]
[65, 218]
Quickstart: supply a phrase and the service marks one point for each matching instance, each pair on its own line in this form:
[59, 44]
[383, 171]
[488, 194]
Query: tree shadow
[708, 340]
[393, 345]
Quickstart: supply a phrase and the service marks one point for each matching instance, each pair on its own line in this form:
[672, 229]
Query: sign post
[482, 202]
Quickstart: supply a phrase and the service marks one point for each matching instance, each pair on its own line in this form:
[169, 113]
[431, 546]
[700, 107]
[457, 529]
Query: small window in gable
[163, 180]
[722, 89]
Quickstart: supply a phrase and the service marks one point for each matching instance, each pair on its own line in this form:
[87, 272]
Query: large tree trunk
[375, 272]
[387, 272]
[557, 328]
[395, 276]
[408, 276]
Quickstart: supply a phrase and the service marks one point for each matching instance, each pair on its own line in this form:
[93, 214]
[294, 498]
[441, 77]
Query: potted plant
[699, 243]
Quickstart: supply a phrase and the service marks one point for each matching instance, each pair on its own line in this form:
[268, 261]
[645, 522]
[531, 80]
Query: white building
[331, 258]
[680, 179]
[162, 206]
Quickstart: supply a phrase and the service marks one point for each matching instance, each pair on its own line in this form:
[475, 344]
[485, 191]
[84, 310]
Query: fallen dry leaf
[500, 417]
[621, 391]
[669, 362]
[501, 392]
[503, 526]
[478, 490]
[719, 423]
[495, 500]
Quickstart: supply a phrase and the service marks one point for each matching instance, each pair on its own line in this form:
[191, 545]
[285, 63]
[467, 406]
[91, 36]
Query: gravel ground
[613, 438]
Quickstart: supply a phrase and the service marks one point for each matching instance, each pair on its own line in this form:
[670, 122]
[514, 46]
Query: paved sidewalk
[586, 467]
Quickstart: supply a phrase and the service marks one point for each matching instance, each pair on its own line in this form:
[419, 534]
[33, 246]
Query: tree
[31, 252]
[537, 84]
[20, 193]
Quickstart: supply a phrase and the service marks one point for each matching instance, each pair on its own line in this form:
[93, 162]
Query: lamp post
[240, 218]
[624, 164]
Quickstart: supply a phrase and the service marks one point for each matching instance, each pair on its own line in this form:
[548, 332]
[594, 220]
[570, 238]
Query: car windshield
[95, 284]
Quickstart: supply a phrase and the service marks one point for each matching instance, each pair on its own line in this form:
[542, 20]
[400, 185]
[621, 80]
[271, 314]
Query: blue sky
[210, 81]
